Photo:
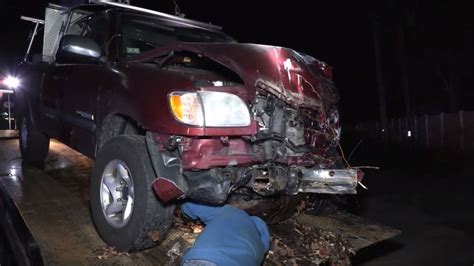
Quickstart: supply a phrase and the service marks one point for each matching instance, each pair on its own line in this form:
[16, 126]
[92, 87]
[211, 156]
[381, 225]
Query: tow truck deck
[46, 218]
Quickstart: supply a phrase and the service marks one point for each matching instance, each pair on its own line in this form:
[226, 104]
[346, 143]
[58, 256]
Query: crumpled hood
[296, 78]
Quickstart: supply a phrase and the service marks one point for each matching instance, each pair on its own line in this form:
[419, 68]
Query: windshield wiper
[164, 58]
[160, 60]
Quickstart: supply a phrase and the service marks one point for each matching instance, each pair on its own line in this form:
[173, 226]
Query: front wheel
[126, 212]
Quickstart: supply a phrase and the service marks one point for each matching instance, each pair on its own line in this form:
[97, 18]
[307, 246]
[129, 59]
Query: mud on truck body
[174, 109]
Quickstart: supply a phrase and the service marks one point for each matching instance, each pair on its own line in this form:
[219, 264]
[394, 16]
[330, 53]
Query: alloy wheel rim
[117, 195]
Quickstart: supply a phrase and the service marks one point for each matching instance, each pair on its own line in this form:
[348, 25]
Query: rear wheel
[34, 145]
[126, 212]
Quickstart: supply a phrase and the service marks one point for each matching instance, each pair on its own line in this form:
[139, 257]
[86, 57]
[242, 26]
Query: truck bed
[47, 214]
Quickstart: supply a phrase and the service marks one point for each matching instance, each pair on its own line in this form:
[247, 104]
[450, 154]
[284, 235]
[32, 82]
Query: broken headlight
[209, 109]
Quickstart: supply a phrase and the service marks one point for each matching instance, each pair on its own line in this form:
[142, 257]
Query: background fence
[451, 131]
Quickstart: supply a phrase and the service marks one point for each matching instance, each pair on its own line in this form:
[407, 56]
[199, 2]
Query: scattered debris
[175, 251]
[180, 238]
[108, 252]
[301, 206]
[314, 247]
[154, 235]
[197, 228]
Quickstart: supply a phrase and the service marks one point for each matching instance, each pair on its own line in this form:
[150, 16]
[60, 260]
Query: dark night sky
[337, 32]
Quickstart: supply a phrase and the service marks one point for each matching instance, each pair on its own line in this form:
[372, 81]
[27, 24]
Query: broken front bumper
[329, 181]
[216, 184]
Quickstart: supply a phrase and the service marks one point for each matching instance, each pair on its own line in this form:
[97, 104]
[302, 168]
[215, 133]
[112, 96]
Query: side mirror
[77, 48]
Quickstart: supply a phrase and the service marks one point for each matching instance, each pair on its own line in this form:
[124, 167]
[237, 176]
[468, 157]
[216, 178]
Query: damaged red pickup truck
[171, 109]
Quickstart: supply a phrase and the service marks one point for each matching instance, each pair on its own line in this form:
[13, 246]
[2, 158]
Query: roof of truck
[98, 6]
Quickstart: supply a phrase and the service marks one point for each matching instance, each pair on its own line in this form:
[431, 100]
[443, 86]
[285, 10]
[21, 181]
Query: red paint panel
[166, 190]
[210, 153]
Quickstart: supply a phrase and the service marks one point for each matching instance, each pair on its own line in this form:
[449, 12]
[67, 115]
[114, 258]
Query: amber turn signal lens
[187, 108]
[175, 101]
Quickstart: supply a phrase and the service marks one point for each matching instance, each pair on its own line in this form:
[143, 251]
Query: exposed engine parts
[288, 132]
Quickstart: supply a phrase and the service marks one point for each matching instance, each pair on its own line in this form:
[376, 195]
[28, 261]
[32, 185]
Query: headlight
[11, 82]
[209, 109]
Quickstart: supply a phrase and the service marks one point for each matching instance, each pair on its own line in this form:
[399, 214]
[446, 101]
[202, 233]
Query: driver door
[76, 83]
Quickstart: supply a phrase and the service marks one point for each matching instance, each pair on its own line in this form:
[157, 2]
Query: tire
[324, 205]
[34, 145]
[287, 207]
[148, 220]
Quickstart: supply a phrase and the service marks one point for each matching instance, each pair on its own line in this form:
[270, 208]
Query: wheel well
[116, 125]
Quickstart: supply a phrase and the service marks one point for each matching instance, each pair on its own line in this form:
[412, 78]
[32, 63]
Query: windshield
[143, 33]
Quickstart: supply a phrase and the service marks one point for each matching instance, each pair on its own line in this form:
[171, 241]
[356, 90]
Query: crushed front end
[289, 144]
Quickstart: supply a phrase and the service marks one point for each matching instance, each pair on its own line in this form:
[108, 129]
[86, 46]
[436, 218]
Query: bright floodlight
[11, 82]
